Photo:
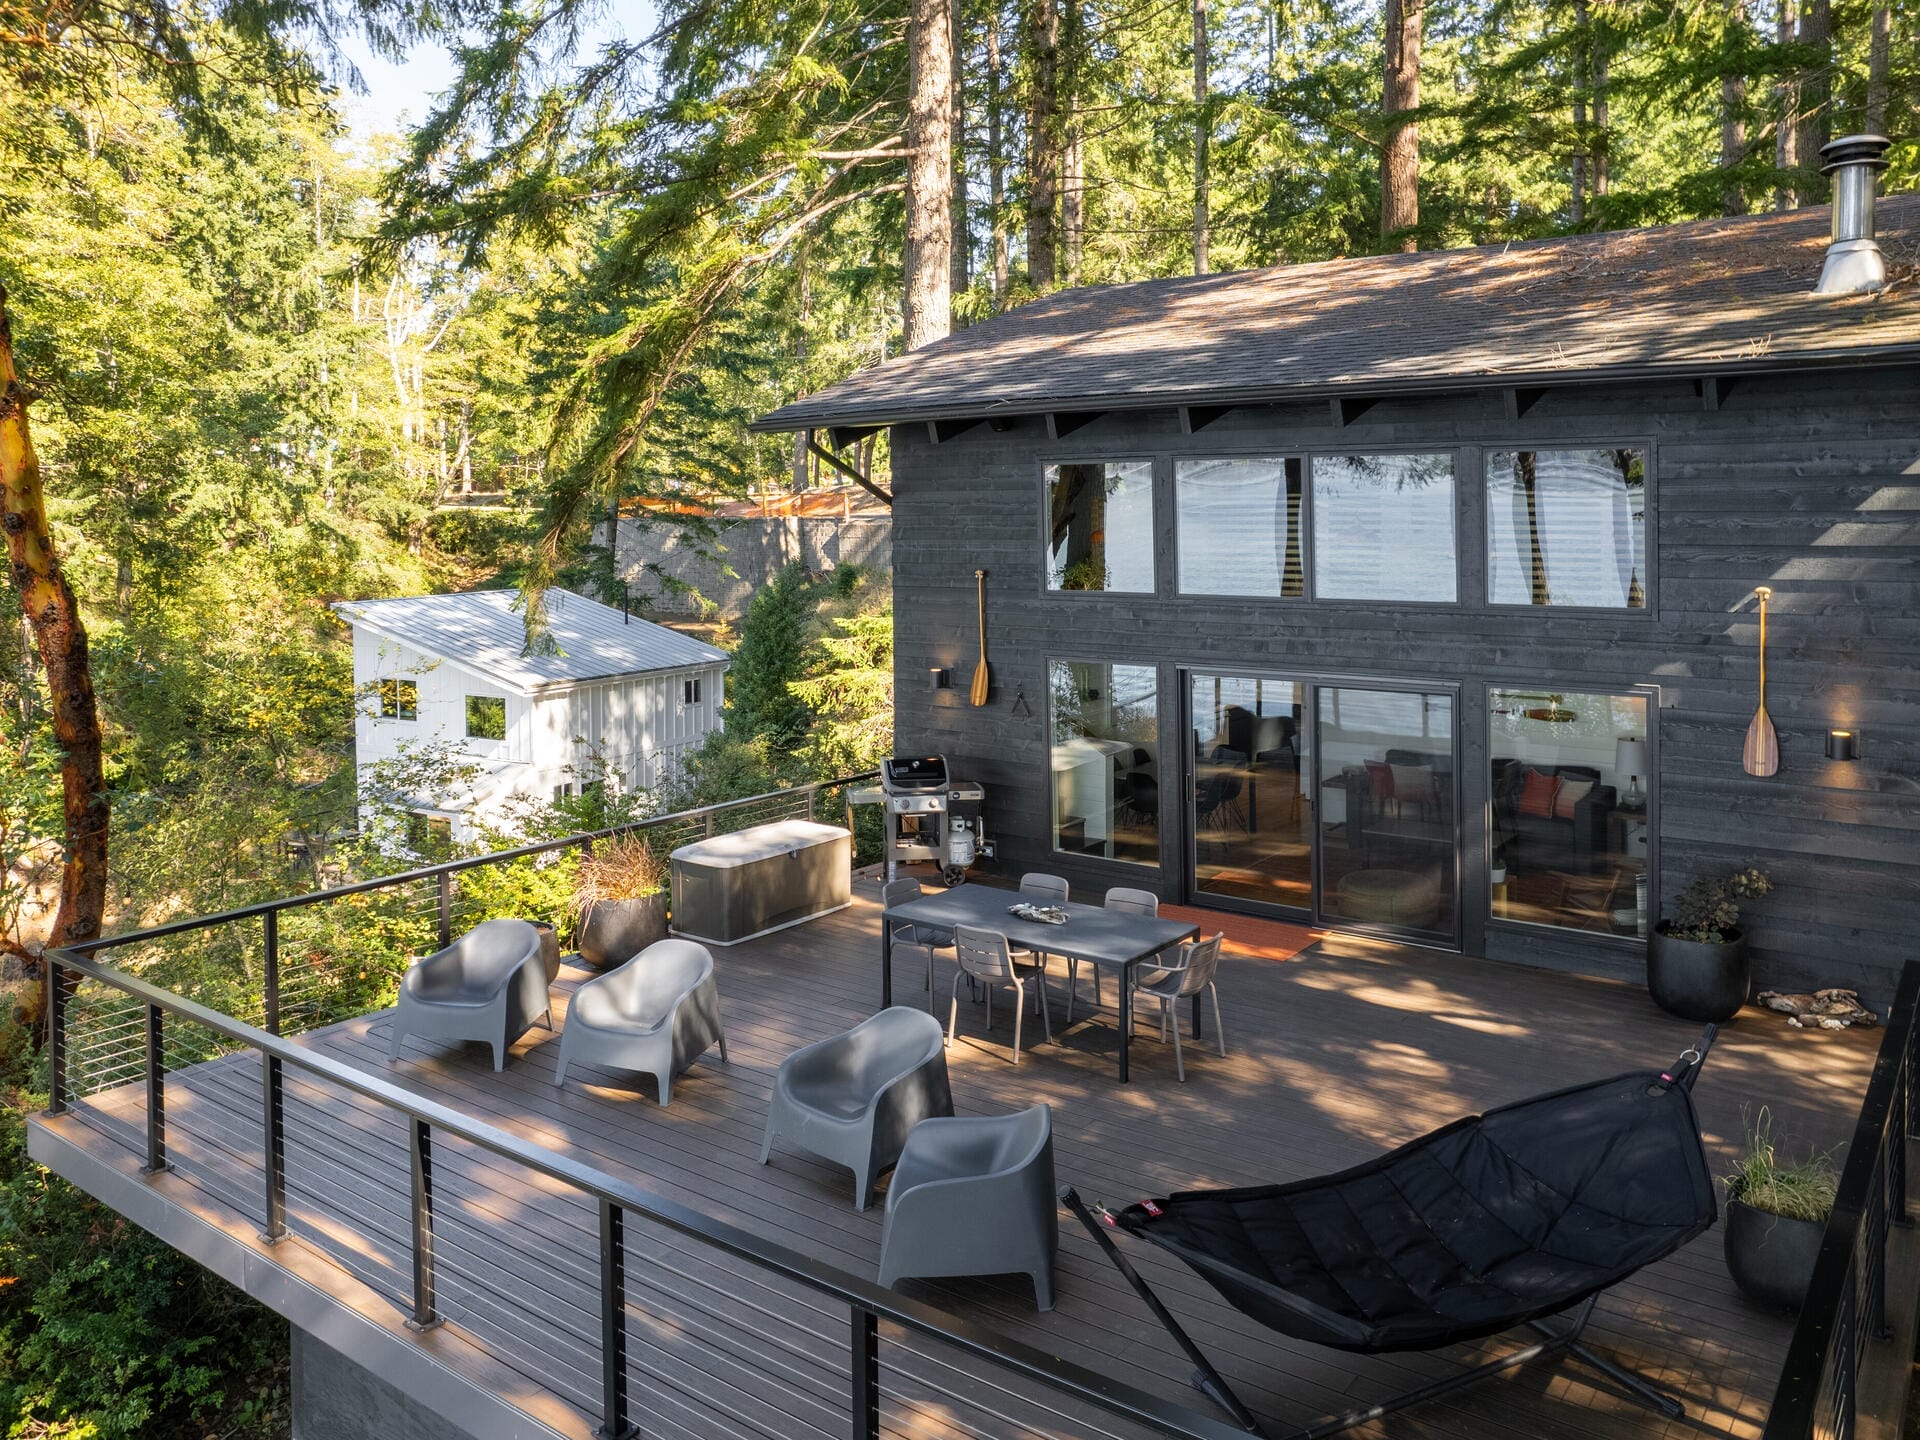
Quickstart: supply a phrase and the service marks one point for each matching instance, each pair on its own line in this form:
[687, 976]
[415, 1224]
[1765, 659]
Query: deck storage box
[733, 887]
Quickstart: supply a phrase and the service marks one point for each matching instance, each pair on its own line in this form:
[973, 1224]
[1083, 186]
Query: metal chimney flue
[1854, 263]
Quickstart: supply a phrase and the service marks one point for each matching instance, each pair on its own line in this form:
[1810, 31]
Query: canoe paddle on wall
[1762, 753]
[982, 678]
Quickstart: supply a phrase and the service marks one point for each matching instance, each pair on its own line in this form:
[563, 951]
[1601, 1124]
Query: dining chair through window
[1187, 976]
[984, 955]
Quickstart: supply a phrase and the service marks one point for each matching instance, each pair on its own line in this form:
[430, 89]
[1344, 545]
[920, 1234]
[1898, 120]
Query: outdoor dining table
[1112, 939]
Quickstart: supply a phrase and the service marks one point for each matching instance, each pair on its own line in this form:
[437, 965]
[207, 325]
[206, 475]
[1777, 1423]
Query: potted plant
[1697, 960]
[1776, 1213]
[620, 898]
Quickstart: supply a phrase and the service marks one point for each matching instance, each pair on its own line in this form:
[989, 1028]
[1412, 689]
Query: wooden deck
[1349, 1048]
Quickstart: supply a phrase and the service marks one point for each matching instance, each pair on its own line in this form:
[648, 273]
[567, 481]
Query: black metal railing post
[613, 1323]
[156, 1091]
[446, 909]
[56, 978]
[426, 1312]
[270, 940]
[864, 1391]
[274, 1148]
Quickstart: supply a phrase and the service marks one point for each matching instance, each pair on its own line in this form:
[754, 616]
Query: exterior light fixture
[1840, 744]
[942, 678]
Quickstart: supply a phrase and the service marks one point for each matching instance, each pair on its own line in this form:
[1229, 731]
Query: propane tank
[960, 848]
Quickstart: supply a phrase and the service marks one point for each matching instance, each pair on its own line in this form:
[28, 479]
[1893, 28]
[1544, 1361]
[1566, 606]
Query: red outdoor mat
[1247, 934]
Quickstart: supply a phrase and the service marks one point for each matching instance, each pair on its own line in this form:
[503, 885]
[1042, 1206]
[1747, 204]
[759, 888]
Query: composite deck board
[1349, 1048]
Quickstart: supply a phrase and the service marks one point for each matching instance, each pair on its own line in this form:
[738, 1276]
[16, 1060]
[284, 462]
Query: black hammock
[1495, 1221]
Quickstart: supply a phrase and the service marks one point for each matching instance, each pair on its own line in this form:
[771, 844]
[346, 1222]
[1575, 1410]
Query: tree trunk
[1879, 49]
[1582, 80]
[1786, 149]
[1044, 145]
[49, 605]
[928, 310]
[1597, 74]
[1073, 202]
[961, 246]
[1400, 153]
[1202, 136]
[1733, 142]
[996, 156]
[1815, 95]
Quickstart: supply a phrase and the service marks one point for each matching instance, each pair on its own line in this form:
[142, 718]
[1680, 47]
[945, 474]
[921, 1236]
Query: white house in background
[450, 668]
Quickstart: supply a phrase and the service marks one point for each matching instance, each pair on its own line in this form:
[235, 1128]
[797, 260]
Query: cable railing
[1844, 1317]
[656, 1315]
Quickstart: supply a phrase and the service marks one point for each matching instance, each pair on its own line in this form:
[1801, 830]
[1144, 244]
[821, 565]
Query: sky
[395, 93]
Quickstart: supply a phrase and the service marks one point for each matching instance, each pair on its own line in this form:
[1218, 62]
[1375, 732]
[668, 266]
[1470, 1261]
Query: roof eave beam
[941, 431]
[1712, 390]
[1347, 409]
[1517, 400]
[1062, 423]
[1195, 418]
[852, 472]
[839, 437]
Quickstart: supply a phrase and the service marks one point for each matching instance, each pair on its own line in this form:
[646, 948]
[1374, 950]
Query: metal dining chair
[1127, 901]
[908, 936]
[1043, 889]
[1187, 976]
[985, 956]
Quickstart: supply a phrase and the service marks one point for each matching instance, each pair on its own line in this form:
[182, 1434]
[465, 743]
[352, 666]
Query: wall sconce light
[1840, 744]
[942, 678]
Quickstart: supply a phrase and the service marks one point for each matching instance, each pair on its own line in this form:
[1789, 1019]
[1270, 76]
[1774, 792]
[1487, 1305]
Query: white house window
[399, 700]
[691, 689]
[486, 717]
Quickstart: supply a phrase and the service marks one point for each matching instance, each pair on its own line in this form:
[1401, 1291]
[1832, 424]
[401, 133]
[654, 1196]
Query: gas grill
[931, 816]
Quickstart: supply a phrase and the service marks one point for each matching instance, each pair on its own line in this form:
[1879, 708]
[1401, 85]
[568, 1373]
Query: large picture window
[1570, 785]
[1567, 527]
[1239, 524]
[1100, 526]
[1105, 756]
[1383, 528]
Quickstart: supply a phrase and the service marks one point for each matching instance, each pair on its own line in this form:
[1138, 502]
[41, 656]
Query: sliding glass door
[1324, 801]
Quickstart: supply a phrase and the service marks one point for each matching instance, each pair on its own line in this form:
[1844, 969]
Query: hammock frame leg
[1552, 1342]
[1204, 1375]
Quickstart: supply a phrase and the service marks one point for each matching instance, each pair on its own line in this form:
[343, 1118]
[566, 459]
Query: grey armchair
[656, 1015]
[489, 985]
[854, 1098]
[974, 1196]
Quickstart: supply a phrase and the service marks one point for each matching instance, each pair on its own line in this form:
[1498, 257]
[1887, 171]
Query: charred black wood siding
[1809, 483]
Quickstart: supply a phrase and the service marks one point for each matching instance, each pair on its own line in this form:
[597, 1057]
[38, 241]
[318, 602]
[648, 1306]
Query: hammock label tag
[1151, 1208]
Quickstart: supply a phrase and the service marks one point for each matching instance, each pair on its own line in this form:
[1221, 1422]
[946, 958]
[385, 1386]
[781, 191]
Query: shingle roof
[482, 629]
[1712, 296]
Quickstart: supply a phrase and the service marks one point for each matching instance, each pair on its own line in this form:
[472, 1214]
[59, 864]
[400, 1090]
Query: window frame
[1456, 453]
[1649, 528]
[401, 688]
[505, 721]
[1045, 715]
[1556, 684]
[1303, 455]
[1158, 465]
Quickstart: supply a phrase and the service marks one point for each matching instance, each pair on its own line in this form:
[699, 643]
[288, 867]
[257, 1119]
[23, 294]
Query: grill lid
[925, 772]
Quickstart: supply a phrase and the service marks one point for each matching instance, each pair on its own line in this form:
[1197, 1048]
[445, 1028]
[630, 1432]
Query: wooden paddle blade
[1762, 753]
[981, 680]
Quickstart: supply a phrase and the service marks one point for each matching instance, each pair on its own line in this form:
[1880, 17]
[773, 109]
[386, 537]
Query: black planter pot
[1697, 980]
[1770, 1257]
[614, 931]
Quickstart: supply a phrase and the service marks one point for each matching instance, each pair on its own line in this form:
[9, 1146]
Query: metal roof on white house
[482, 629]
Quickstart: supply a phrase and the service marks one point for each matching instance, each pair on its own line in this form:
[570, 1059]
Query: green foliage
[1793, 1189]
[1707, 908]
[760, 701]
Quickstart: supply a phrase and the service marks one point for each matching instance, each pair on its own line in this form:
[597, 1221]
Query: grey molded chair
[985, 956]
[488, 985]
[656, 1015]
[975, 1196]
[908, 936]
[1189, 975]
[853, 1099]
